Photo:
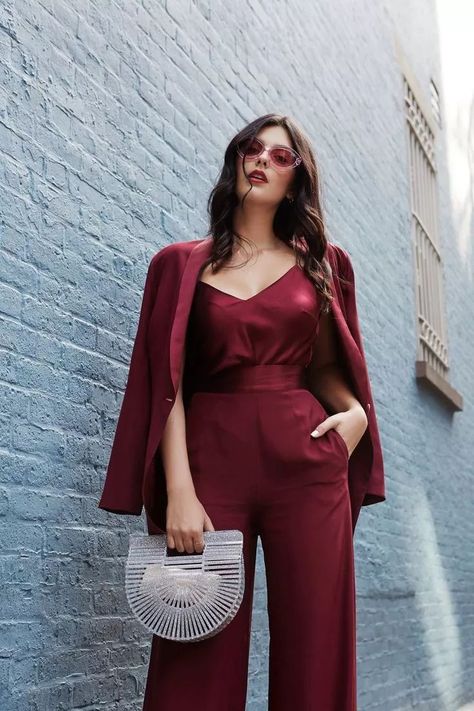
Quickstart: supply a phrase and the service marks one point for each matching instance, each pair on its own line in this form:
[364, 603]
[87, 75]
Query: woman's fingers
[187, 537]
[324, 426]
[189, 541]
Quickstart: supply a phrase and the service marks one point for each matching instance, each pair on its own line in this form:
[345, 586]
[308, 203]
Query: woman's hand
[350, 424]
[186, 520]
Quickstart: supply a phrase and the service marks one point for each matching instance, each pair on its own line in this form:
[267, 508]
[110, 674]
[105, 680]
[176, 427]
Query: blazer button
[368, 406]
[170, 399]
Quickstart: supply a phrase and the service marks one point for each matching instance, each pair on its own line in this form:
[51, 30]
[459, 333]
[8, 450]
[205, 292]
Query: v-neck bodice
[277, 325]
[254, 296]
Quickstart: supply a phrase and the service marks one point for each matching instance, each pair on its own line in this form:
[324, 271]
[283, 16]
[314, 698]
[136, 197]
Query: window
[432, 363]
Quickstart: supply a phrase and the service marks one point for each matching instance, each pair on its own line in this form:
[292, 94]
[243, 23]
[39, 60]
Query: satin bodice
[279, 324]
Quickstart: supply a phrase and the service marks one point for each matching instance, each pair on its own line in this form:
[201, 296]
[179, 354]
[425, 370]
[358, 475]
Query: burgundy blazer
[135, 475]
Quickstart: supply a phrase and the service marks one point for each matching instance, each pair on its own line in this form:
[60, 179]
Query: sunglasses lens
[282, 157]
[251, 147]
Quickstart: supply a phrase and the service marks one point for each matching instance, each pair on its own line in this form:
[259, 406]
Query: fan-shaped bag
[185, 597]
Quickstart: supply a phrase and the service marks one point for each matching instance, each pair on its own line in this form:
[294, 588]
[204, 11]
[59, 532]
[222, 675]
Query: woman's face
[274, 191]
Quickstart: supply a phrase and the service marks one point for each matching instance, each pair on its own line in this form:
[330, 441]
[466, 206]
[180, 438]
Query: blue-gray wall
[113, 120]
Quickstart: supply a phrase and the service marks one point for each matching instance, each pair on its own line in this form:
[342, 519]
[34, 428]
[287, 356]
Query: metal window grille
[435, 105]
[432, 345]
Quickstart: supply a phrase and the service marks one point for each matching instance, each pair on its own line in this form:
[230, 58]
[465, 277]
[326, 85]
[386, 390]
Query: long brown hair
[298, 223]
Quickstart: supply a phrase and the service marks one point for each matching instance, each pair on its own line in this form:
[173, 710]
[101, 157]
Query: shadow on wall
[444, 653]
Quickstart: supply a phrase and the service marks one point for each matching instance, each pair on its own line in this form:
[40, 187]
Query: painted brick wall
[113, 120]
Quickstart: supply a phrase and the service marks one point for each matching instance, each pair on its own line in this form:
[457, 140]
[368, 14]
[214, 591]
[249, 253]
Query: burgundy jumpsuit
[256, 468]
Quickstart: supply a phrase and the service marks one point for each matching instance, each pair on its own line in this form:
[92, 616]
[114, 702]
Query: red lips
[258, 174]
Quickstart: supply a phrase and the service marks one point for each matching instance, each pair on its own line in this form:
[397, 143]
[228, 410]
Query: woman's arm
[173, 447]
[328, 384]
[325, 376]
[186, 518]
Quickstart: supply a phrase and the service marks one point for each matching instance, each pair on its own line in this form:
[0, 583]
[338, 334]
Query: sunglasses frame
[278, 167]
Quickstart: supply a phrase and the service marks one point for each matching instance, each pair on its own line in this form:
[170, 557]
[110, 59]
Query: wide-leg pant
[256, 468]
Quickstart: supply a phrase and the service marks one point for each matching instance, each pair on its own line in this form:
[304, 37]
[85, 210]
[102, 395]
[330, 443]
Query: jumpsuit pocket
[341, 440]
[317, 414]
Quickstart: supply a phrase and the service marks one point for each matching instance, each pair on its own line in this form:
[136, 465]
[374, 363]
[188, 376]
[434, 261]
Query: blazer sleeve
[122, 492]
[376, 484]
[349, 301]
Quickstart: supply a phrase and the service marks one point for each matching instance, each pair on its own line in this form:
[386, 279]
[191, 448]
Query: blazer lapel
[354, 359]
[187, 285]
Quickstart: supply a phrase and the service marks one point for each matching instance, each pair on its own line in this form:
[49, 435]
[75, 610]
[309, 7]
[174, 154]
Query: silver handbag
[186, 597]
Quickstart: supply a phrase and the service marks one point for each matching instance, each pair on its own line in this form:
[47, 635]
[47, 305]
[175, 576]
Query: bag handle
[178, 559]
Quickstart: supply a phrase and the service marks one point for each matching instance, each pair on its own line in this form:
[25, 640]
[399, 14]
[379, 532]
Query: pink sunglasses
[281, 157]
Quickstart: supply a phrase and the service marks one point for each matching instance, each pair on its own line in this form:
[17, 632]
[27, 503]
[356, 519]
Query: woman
[266, 354]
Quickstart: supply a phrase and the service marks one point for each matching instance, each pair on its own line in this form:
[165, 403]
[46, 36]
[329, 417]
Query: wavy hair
[299, 223]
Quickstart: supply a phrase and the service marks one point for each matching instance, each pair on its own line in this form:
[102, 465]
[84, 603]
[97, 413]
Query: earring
[290, 199]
